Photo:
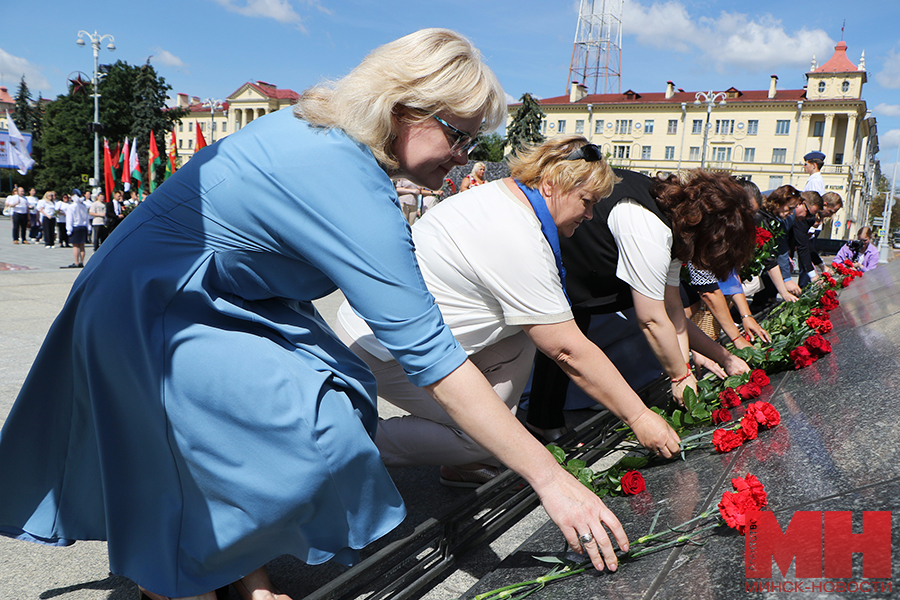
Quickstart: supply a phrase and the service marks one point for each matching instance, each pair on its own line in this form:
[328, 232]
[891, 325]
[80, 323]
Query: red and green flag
[201, 141]
[125, 165]
[134, 166]
[170, 159]
[108, 178]
[152, 162]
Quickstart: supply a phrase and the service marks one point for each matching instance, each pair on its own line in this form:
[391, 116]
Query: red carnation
[846, 281]
[820, 325]
[753, 485]
[802, 357]
[829, 300]
[749, 391]
[848, 262]
[737, 509]
[759, 377]
[729, 398]
[749, 427]
[817, 345]
[762, 237]
[632, 483]
[721, 415]
[764, 414]
[725, 440]
[820, 313]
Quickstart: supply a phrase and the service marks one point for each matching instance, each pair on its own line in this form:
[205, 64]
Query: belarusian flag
[107, 170]
[170, 162]
[134, 166]
[152, 162]
[201, 141]
[126, 168]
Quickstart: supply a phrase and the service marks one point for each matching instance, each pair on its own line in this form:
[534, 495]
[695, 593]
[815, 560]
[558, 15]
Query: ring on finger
[586, 538]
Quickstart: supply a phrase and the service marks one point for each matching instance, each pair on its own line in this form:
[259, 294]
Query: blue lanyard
[548, 228]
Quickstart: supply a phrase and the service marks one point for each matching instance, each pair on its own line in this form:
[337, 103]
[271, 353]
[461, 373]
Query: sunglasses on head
[588, 152]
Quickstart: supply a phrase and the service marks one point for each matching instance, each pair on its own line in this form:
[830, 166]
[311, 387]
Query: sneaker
[467, 478]
[72, 266]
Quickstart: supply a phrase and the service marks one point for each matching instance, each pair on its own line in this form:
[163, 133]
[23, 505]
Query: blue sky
[209, 48]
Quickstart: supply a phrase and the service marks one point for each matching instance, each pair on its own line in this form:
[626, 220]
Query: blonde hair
[429, 71]
[547, 162]
[475, 168]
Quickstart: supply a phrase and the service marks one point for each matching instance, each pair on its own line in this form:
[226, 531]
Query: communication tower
[597, 52]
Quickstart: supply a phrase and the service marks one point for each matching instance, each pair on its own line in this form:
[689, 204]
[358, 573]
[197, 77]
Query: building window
[694, 153]
[779, 155]
[670, 152]
[645, 152]
[782, 127]
[821, 87]
[749, 154]
[598, 126]
[579, 126]
[697, 126]
[622, 151]
[561, 126]
[181, 143]
[623, 126]
[180, 127]
[648, 126]
[775, 181]
[838, 159]
[845, 87]
[724, 127]
[190, 144]
[819, 129]
[673, 126]
[213, 125]
[544, 126]
[723, 153]
[224, 126]
[752, 126]
[202, 126]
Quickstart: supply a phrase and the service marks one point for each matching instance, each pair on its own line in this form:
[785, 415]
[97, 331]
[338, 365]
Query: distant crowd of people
[67, 220]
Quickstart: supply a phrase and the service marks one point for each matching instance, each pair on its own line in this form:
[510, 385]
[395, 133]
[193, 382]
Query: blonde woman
[488, 258]
[475, 178]
[243, 428]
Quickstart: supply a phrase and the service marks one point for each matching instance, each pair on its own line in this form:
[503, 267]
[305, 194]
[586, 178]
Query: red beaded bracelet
[680, 379]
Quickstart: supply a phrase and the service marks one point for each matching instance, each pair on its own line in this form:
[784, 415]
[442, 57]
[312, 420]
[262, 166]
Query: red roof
[270, 91]
[5, 97]
[677, 98]
[838, 63]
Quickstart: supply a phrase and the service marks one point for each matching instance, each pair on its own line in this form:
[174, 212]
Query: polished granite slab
[837, 449]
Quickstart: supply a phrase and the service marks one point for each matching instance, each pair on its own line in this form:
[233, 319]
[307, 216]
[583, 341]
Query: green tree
[876, 208]
[489, 148]
[68, 146]
[525, 127]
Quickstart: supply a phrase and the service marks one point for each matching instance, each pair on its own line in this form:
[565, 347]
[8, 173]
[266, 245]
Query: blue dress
[202, 417]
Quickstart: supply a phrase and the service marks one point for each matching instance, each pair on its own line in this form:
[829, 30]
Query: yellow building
[758, 134]
[218, 119]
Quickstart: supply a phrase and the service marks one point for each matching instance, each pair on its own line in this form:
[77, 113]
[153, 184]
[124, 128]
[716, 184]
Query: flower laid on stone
[632, 483]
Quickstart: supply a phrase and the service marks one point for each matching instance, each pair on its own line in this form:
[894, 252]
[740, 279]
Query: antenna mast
[597, 51]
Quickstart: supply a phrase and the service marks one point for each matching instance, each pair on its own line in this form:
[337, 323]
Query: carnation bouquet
[766, 246]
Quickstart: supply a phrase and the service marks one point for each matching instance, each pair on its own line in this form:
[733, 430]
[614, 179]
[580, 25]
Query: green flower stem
[656, 536]
[683, 539]
[504, 592]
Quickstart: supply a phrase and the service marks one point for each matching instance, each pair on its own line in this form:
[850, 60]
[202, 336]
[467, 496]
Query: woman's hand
[654, 434]
[702, 362]
[577, 512]
[753, 329]
[793, 289]
[678, 388]
[734, 365]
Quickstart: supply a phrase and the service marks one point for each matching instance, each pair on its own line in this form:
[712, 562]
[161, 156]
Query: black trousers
[20, 226]
[49, 231]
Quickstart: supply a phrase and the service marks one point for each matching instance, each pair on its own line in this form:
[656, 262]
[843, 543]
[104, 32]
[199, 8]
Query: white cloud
[280, 10]
[889, 139]
[729, 41]
[164, 57]
[886, 110]
[13, 68]
[889, 76]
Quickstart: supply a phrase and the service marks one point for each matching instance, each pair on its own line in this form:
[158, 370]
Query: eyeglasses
[588, 152]
[463, 142]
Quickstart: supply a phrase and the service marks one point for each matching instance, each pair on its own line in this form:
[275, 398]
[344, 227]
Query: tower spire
[597, 51]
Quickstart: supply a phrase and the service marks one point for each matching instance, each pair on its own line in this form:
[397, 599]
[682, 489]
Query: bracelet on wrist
[735, 338]
[686, 375]
[746, 317]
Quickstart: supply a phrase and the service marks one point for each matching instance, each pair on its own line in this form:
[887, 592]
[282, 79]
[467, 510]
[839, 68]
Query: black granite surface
[837, 449]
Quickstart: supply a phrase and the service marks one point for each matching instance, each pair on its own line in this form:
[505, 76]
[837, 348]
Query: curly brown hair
[712, 222]
[779, 198]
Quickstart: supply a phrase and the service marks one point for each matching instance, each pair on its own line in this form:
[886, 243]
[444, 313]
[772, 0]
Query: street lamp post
[96, 39]
[884, 244]
[213, 105]
[709, 98]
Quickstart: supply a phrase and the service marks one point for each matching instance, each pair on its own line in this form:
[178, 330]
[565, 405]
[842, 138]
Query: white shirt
[47, 208]
[18, 203]
[76, 214]
[815, 183]
[61, 211]
[645, 250]
[485, 260]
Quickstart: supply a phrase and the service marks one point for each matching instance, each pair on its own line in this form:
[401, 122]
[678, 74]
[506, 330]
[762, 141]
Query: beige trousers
[428, 436]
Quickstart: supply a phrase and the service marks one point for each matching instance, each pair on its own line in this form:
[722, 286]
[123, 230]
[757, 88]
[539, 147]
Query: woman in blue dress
[202, 417]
